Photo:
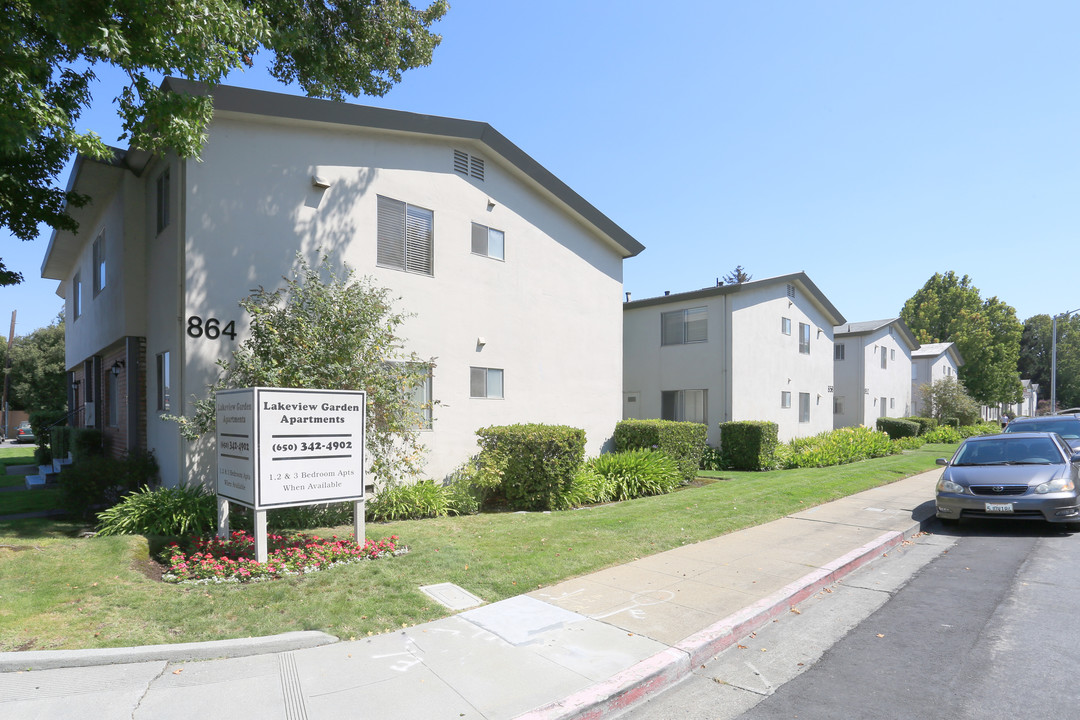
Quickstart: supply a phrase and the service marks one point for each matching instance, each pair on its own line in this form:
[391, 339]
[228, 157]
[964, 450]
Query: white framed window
[838, 351]
[99, 264]
[488, 242]
[884, 359]
[892, 403]
[162, 193]
[804, 338]
[164, 385]
[76, 296]
[804, 407]
[682, 327]
[838, 405]
[684, 405]
[914, 371]
[785, 398]
[892, 354]
[405, 236]
[785, 325]
[485, 382]
[421, 400]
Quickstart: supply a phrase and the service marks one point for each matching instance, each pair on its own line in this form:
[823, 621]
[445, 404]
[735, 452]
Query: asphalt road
[976, 622]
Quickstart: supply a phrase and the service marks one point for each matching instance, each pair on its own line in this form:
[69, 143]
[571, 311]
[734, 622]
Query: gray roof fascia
[833, 315]
[229, 98]
[864, 328]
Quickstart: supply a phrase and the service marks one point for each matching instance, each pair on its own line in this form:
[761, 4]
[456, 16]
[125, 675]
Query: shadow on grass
[43, 527]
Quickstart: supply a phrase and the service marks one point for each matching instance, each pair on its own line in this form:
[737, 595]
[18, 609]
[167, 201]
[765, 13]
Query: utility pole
[7, 371]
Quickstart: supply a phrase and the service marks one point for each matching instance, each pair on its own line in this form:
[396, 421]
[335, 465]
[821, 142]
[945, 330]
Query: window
[785, 399]
[485, 383]
[914, 372]
[681, 327]
[76, 296]
[892, 355]
[804, 407]
[164, 388]
[838, 351]
[406, 236]
[421, 400]
[838, 405]
[785, 325]
[684, 405]
[163, 201]
[884, 359]
[804, 338]
[487, 241]
[892, 403]
[99, 264]
[112, 391]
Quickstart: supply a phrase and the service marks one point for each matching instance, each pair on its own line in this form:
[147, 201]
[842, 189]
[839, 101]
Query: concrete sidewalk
[584, 648]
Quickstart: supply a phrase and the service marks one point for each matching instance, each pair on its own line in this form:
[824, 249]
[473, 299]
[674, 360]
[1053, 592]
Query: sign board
[281, 447]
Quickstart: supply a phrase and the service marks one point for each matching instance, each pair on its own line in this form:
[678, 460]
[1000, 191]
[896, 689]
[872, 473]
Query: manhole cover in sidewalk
[451, 596]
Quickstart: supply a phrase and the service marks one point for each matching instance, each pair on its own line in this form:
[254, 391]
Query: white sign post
[281, 447]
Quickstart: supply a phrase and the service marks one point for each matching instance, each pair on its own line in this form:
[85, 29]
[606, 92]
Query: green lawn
[61, 591]
[15, 455]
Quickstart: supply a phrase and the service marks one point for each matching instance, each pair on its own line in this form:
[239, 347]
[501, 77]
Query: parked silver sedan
[1017, 476]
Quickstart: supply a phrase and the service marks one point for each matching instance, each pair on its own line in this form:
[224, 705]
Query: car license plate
[999, 507]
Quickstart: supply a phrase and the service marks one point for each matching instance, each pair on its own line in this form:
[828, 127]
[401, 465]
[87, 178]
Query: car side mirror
[943, 461]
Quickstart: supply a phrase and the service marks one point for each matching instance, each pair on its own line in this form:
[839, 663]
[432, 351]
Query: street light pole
[1053, 359]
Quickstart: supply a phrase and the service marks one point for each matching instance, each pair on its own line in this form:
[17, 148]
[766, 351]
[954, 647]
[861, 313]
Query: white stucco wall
[550, 314]
[746, 362]
[766, 362]
[930, 370]
[862, 382]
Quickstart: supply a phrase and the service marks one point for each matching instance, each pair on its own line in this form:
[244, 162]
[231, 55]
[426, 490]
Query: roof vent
[467, 164]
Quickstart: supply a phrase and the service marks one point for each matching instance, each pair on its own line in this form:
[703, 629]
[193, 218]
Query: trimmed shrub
[423, 499]
[710, 459]
[897, 428]
[909, 443]
[178, 511]
[637, 473]
[86, 443]
[943, 434]
[306, 517]
[537, 462]
[43, 455]
[684, 442]
[95, 484]
[748, 445]
[837, 447]
[60, 441]
[925, 424]
[980, 428]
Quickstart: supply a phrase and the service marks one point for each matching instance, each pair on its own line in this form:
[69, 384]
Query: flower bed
[232, 559]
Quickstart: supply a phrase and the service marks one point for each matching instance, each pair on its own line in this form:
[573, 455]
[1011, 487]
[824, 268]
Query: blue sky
[867, 144]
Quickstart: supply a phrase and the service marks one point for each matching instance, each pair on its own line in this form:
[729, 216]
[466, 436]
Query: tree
[1036, 354]
[38, 377]
[737, 276]
[340, 333]
[987, 334]
[949, 399]
[49, 48]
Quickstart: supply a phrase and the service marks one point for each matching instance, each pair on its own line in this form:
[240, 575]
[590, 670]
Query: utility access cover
[451, 596]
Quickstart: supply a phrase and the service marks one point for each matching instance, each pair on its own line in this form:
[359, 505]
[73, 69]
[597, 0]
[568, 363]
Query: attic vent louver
[791, 291]
[468, 164]
[461, 162]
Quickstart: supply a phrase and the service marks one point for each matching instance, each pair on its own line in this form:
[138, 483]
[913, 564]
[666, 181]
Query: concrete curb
[180, 652]
[672, 665]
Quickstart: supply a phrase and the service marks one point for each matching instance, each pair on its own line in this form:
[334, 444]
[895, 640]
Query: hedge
[538, 462]
[925, 424]
[683, 442]
[748, 445]
[897, 427]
